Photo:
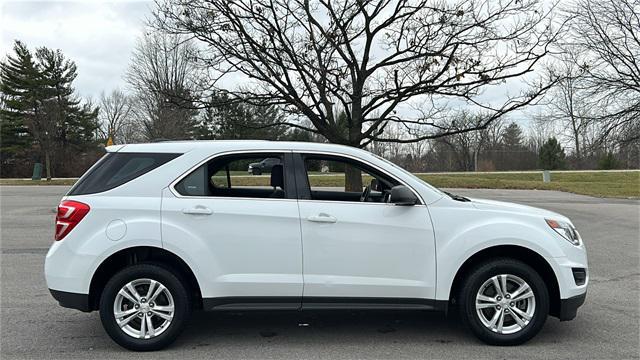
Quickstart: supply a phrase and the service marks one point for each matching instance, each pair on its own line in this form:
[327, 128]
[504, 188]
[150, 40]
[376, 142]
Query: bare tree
[162, 76]
[417, 151]
[116, 116]
[492, 136]
[541, 128]
[367, 58]
[465, 146]
[571, 106]
[607, 33]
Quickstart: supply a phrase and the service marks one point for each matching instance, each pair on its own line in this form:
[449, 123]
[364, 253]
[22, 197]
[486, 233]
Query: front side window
[235, 176]
[340, 179]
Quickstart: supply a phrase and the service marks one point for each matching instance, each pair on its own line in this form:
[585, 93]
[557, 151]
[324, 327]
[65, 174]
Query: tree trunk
[576, 140]
[353, 175]
[352, 178]
[578, 151]
[475, 159]
[47, 164]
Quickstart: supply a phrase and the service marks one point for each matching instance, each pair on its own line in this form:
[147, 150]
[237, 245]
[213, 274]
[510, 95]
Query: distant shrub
[608, 161]
[551, 156]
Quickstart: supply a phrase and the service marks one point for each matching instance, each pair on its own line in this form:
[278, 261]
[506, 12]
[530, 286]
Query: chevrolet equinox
[153, 231]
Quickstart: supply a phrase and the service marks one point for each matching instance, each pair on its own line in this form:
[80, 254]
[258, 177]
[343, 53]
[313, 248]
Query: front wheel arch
[526, 255]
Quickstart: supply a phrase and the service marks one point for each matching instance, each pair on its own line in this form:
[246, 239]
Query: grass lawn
[601, 184]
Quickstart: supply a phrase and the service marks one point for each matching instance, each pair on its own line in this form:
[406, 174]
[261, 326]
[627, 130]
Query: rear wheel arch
[520, 253]
[139, 255]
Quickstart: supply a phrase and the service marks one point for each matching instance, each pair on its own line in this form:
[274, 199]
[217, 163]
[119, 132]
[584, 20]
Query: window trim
[304, 188]
[290, 185]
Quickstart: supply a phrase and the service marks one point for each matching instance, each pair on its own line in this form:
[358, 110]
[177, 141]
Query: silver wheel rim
[505, 304]
[143, 308]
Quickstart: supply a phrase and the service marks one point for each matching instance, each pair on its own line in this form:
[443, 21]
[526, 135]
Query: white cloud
[99, 36]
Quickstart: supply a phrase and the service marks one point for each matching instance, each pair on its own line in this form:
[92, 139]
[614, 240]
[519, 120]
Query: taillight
[69, 215]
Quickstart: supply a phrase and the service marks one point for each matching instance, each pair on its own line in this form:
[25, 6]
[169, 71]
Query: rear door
[241, 231]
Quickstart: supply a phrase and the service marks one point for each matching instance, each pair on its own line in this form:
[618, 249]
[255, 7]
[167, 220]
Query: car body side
[461, 229]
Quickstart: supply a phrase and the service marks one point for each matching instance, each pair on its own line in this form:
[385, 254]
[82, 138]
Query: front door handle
[322, 218]
[198, 210]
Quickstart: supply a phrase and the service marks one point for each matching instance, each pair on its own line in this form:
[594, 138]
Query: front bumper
[569, 307]
[72, 300]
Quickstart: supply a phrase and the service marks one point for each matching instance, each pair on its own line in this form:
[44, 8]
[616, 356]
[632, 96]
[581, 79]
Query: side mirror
[403, 196]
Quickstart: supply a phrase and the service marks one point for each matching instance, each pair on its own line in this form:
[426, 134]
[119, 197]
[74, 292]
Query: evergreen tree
[512, 137]
[75, 122]
[167, 113]
[18, 84]
[299, 135]
[551, 155]
[39, 107]
[608, 162]
[226, 119]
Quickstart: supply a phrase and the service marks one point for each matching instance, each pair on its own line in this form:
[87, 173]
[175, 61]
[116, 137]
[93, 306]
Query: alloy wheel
[505, 304]
[143, 308]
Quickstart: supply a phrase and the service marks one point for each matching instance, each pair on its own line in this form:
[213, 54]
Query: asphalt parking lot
[32, 325]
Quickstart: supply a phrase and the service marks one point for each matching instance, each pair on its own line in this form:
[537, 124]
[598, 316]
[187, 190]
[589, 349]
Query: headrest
[277, 176]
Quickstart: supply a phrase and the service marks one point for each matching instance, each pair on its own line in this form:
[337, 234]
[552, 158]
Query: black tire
[181, 301]
[256, 171]
[474, 281]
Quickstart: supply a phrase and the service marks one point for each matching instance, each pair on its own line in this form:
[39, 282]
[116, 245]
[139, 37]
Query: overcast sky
[98, 35]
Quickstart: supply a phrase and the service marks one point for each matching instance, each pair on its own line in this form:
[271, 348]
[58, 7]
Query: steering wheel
[365, 194]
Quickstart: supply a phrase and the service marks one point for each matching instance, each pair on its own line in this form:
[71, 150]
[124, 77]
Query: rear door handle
[322, 218]
[198, 210]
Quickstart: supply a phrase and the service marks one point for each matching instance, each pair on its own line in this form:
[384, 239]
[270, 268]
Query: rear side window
[115, 169]
[241, 176]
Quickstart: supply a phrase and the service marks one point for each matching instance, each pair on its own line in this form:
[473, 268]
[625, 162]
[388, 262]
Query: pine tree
[226, 119]
[551, 155]
[39, 104]
[608, 161]
[512, 137]
[18, 85]
[75, 122]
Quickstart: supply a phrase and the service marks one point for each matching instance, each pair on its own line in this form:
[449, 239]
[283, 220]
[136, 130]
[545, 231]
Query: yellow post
[109, 141]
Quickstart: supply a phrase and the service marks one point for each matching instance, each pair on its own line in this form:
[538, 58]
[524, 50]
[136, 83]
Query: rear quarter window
[115, 169]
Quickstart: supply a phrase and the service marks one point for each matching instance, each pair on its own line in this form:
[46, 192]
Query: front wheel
[144, 307]
[504, 302]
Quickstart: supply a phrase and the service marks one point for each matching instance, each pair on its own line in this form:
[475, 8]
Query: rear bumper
[72, 300]
[569, 307]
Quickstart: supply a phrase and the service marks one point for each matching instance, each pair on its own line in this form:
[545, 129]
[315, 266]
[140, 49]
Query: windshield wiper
[457, 197]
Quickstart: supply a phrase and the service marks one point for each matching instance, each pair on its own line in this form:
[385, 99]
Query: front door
[358, 248]
[242, 231]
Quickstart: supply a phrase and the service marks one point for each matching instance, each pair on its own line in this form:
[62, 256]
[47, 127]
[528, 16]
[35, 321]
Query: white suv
[153, 231]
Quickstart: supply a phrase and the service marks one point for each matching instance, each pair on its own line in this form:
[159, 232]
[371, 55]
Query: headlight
[565, 230]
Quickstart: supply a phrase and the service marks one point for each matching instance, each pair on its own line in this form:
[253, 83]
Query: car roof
[231, 145]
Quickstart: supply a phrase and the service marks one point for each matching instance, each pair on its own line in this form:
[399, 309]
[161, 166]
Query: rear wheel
[504, 302]
[144, 307]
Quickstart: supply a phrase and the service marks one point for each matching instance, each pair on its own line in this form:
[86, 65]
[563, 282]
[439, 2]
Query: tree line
[406, 79]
